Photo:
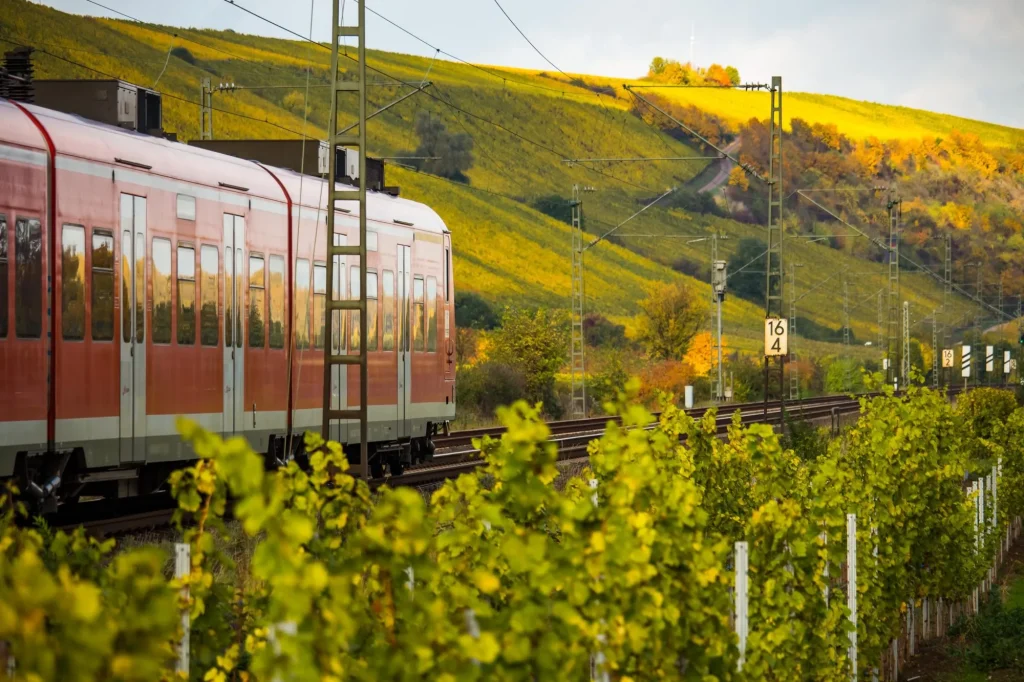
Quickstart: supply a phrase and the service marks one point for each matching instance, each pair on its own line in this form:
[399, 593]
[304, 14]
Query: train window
[301, 304]
[431, 314]
[417, 313]
[72, 282]
[388, 285]
[257, 299]
[239, 295]
[28, 278]
[209, 327]
[102, 285]
[277, 292]
[126, 285]
[447, 274]
[229, 307]
[371, 241]
[140, 286]
[186, 207]
[338, 317]
[371, 310]
[319, 304]
[353, 325]
[186, 296]
[3, 276]
[161, 290]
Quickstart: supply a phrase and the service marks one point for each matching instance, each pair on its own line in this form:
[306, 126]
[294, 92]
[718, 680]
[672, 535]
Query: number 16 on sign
[776, 339]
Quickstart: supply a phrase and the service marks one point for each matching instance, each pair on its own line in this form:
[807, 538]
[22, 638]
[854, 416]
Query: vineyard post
[911, 624]
[742, 624]
[851, 588]
[182, 569]
[598, 670]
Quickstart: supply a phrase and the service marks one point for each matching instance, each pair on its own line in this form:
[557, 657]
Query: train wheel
[395, 464]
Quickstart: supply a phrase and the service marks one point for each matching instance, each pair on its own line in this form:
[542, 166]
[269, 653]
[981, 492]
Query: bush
[994, 639]
[488, 385]
[598, 330]
[807, 441]
[982, 409]
[183, 54]
[691, 200]
[537, 344]
[558, 207]
[472, 311]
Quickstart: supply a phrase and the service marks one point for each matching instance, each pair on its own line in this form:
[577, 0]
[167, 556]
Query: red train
[141, 279]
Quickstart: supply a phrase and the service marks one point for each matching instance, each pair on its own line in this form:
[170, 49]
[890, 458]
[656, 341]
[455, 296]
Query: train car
[142, 279]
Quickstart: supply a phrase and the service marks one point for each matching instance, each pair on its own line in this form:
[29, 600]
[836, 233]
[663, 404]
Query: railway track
[456, 455]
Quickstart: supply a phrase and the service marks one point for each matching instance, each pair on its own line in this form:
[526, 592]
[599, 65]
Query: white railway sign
[965, 361]
[776, 337]
[947, 357]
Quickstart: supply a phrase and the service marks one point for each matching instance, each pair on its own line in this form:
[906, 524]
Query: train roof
[75, 136]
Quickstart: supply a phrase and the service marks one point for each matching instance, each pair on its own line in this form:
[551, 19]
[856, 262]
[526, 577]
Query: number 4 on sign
[776, 339]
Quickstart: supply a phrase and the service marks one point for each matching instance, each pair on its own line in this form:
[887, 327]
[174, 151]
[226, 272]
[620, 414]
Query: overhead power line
[535, 48]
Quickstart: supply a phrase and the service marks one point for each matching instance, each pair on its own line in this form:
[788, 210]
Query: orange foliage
[828, 134]
[699, 357]
[870, 154]
[669, 376]
[957, 216]
[738, 178]
[717, 75]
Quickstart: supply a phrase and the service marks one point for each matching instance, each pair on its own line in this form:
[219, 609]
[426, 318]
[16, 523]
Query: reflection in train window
[388, 285]
[161, 290]
[319, 304]
[28, 278]
[431, 314]
[257, 296]
[353, 324]
[186, 295]
[126, 285]
[72, 283]
[371, 310]
[102, 285]
[277, 294]
[417, 313]
[209, 327]
[301, 303]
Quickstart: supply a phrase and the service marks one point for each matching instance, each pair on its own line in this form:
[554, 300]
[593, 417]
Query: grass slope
[505, 250]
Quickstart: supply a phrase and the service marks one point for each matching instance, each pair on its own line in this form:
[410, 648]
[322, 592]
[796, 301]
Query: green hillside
[505, 250]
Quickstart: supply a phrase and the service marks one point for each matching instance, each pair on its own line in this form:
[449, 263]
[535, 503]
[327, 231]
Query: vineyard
[628, 572]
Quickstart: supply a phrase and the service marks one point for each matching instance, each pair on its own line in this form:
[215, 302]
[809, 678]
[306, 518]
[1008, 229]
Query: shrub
[598, 330]
[558, 207]
[994, 640]
[183, 54]
[488, 385]
[473, 311]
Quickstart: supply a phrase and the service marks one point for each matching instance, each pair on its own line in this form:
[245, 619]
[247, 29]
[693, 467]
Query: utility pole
[577, 342]
[355, 254]
[773, 304]
[206, 111]
[846, 331]
[936, 351]
[881, 320]
[719, 277]
[892, 348]
[905, 356]
[794, 376]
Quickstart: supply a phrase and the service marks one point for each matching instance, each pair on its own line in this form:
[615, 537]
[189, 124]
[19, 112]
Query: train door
[133, 328]
[404, 359]
[234, 314]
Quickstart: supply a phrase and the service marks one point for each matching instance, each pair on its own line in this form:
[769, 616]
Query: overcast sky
[962, 57]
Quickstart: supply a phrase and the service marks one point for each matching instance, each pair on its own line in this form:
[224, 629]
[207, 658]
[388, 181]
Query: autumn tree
[734, 75]
[717, 75]
[448, 155]
[669, 318]
[536, 344]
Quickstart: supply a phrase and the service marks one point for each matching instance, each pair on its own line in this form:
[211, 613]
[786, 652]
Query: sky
[961, 57]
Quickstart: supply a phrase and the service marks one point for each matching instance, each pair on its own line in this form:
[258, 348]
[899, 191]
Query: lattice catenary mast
[773, 301]
[354, 84]
[892, 348]
[577, 342]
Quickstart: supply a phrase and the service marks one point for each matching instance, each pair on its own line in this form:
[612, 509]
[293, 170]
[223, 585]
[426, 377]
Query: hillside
[522, 125]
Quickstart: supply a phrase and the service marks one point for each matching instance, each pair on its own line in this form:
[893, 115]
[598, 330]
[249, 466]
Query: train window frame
[388, 303]
[26, 324]
[72, 231]
[447, 274]
[430, 318]
[95, 272]
[418, 318]
[371, 240]
[127, 251]
[185, 207]
[272, 260]
[302, 342]
[162, 334]
[206, 324]
[180, 279]
[4, 270]
[257, 290]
